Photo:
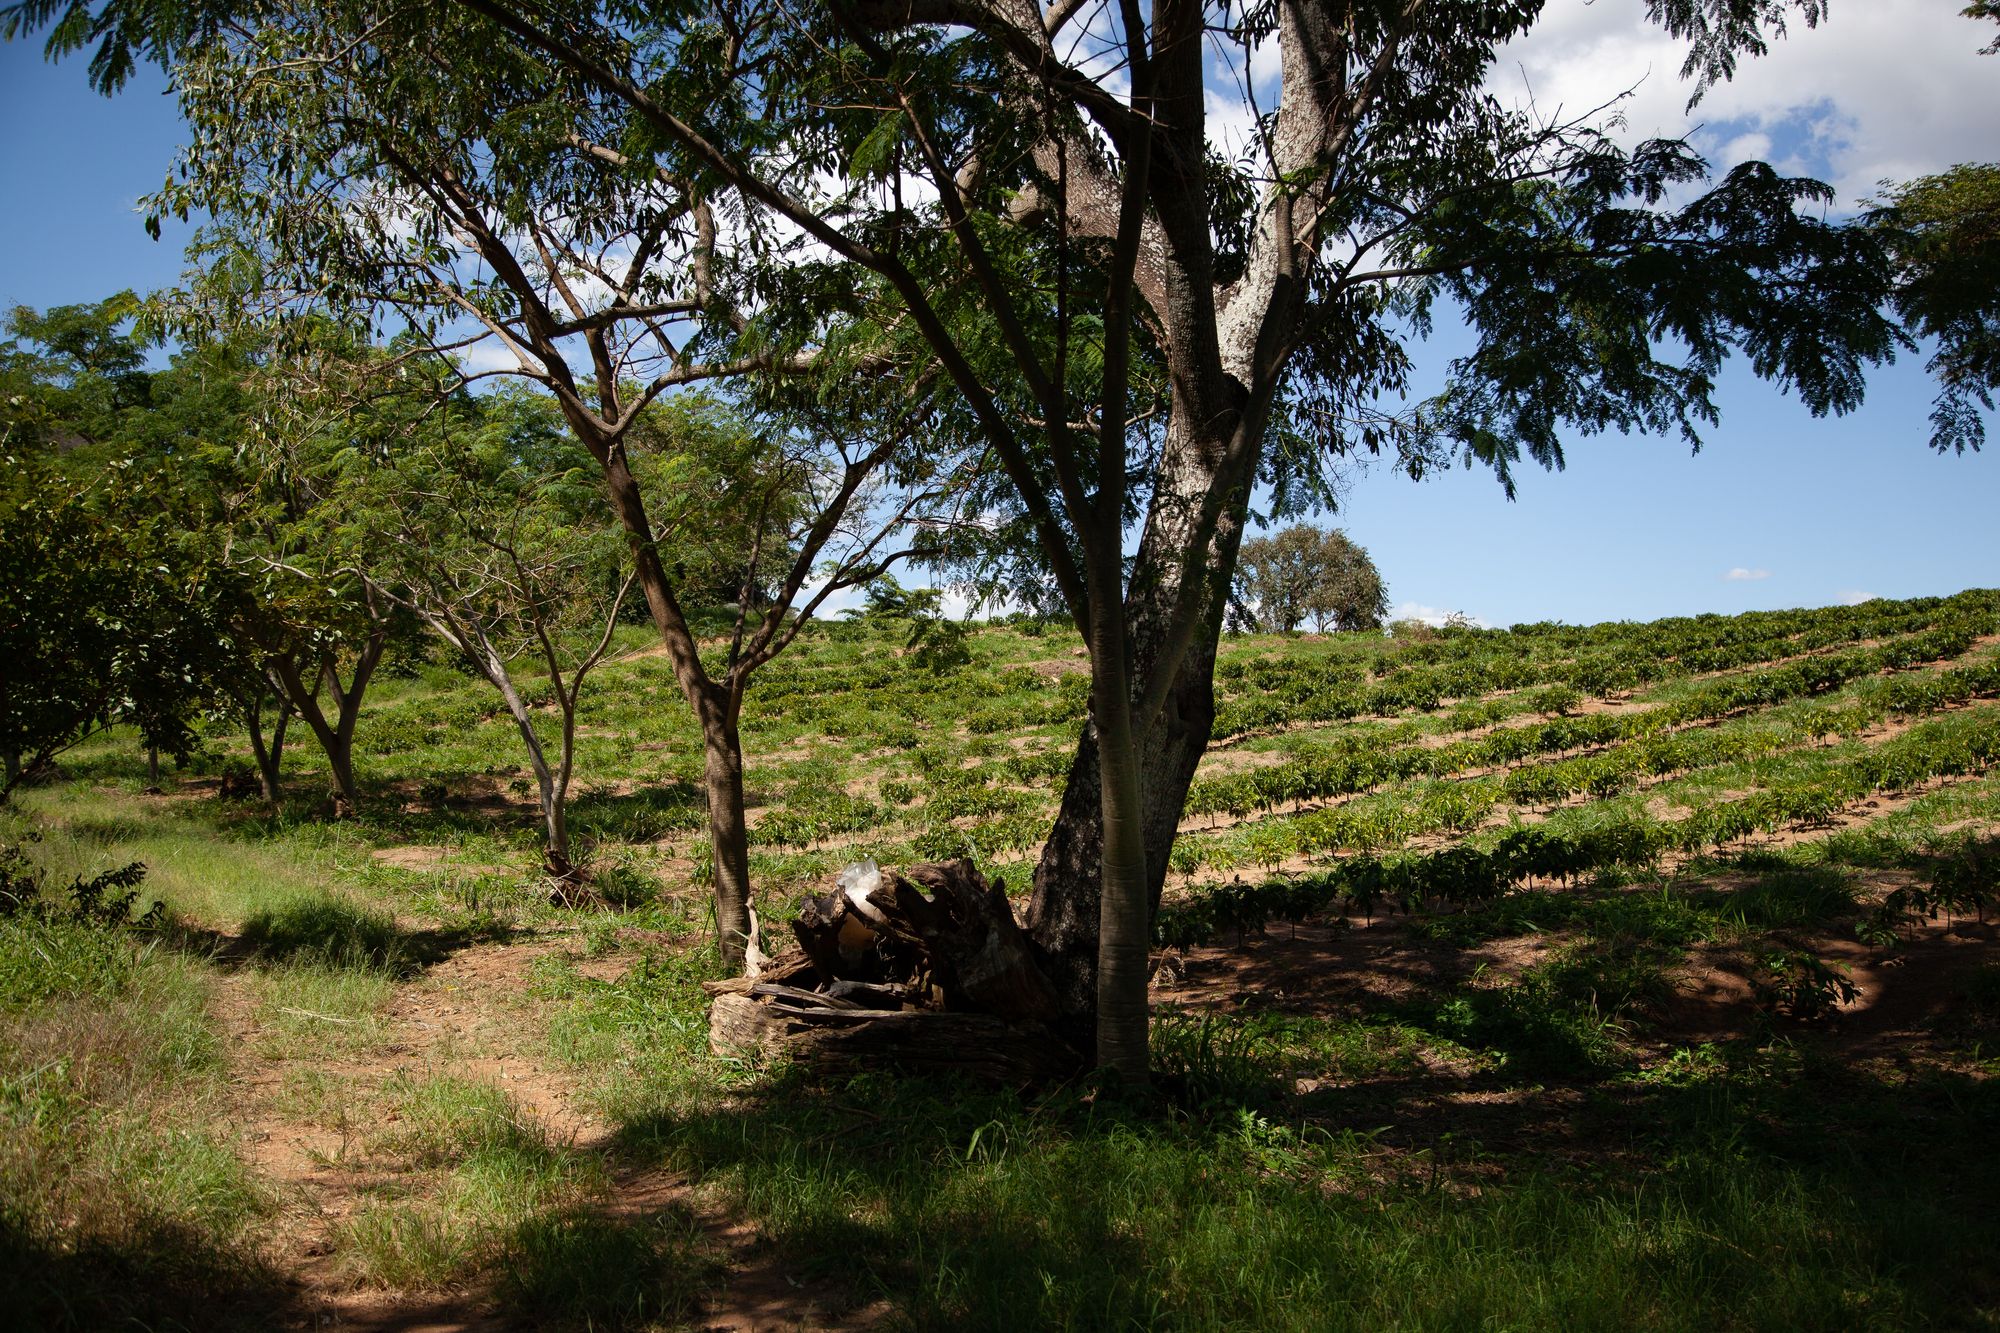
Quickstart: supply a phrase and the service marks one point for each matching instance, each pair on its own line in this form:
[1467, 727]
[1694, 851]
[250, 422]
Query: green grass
[494, 1176]
[121, 1195]
[993, 1213]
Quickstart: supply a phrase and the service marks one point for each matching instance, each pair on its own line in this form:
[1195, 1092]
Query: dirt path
[467, 1016]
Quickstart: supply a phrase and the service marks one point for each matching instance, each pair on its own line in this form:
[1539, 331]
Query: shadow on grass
[330, 931]
[162, 1277]
[582, 1268]
[1760, 1195]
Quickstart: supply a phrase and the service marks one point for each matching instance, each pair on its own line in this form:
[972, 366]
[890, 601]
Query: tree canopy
[1306, 573]
[1139, 316]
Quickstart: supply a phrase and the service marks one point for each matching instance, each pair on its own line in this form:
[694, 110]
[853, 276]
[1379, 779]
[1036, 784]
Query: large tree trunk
[1064, 916]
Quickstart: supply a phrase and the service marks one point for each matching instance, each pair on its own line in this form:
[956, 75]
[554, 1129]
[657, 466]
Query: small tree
[498, 542]
[1303, 573]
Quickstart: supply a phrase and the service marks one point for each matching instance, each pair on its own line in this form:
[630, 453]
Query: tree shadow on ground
[334, 932]
[159, 1276]
[1787, 1178]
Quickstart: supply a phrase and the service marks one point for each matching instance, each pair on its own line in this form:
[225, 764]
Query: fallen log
[927, 970]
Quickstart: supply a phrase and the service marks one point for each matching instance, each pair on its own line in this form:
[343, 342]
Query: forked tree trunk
[1064, 915]
[335, 736]
[269, 753]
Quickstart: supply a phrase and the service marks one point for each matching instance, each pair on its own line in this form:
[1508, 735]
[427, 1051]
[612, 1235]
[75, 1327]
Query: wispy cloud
[1855, 597]
[1742, 575]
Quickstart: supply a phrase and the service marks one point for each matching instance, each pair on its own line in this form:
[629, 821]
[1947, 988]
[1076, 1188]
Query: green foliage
[1804, 986]
[1302, 573]
[110, 611]
[1945, 233]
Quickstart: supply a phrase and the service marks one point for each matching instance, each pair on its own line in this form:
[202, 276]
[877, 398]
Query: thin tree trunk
[555, 836]
[153, 767]
[729, 836]
[269, 754]
[716, 704]
[273, 774]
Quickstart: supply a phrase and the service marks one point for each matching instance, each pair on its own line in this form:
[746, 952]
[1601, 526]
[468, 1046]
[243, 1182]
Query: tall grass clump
[122, 1201]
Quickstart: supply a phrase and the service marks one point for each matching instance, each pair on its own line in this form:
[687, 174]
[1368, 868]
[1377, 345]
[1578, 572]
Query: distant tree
[108, 613]
[932, 640]
[1350, 594]
[114, 606]
[1304, 573]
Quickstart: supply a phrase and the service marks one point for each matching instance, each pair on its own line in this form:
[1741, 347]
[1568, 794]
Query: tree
[488, 199]
[1035, 194]
[1352, 595]
[108, 613]
[1303, 572]
[114, 608]
[501, 548]
[1945, 233]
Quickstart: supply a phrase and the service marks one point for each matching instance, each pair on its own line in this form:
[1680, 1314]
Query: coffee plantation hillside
[1636, 975]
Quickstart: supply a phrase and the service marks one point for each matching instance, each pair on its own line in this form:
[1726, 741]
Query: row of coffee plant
[1955, 747]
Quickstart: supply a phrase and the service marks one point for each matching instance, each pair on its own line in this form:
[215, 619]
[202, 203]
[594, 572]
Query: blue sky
[1804, 512]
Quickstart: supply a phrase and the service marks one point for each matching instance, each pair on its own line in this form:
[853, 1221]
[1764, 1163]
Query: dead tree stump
[926, 971]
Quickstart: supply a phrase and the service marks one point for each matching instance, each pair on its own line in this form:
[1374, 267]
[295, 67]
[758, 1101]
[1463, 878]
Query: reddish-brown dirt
[465, 1016]
[1343, 966]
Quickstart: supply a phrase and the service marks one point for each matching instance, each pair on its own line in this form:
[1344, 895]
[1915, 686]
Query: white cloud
[1854, 596]
[1886, 89]
[489, 354]
[1433, 615]
[1742, 575]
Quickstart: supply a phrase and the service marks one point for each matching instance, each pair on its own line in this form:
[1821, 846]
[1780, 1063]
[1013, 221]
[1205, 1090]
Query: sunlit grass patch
[198, 868]
[121, 1194]
[310, 1011]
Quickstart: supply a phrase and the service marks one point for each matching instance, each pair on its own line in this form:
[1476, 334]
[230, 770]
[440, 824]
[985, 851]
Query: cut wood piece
[810, 999]
[977, 1045]
[790, 968]
[844, 944]
[979, 956]
[925, 971]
